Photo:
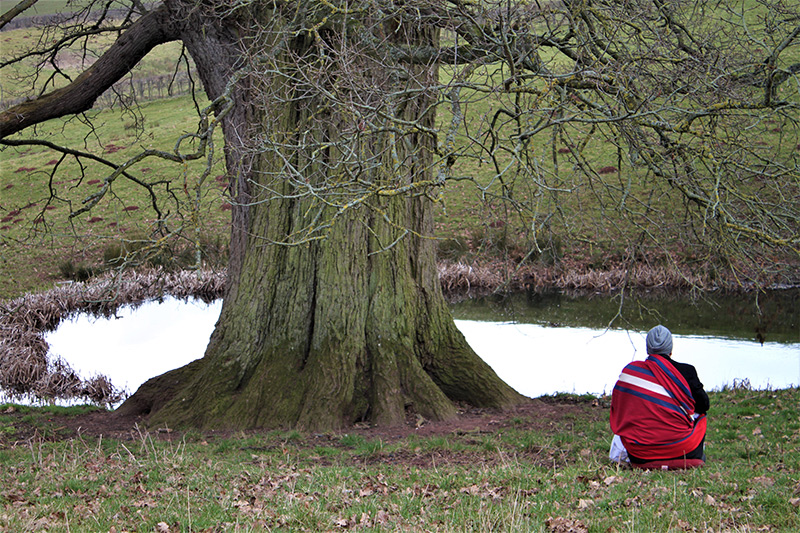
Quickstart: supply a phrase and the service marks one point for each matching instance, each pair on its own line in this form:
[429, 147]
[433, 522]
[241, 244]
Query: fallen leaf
[585, 504]
[162, 527]
[382, 517]
[710, 500]
[795, 502]
[565, 525]
[16, 498]
[631, 502]
[470, 490]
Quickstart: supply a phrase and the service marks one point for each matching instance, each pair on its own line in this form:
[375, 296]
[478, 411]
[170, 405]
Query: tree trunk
[322, 333]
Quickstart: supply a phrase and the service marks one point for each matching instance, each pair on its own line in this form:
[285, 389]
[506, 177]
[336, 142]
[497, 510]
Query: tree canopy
[697, 101]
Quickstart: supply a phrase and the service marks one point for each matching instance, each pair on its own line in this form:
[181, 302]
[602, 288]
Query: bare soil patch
[547, 417]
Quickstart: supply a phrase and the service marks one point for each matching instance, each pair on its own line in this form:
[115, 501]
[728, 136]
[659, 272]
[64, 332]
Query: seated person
[658, 408]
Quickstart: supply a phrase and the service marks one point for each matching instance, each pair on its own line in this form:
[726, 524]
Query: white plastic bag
[618, 453]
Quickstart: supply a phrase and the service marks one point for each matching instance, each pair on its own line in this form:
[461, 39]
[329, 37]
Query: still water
[539, 344]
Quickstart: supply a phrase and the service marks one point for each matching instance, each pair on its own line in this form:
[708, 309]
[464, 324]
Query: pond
[541, 344]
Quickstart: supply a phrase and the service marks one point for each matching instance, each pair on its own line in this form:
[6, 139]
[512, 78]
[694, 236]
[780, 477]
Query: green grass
[41, 7]
[36, 253]
[515, 478]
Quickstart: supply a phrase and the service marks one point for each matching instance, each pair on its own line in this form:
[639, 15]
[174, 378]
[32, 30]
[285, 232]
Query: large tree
[333, 312]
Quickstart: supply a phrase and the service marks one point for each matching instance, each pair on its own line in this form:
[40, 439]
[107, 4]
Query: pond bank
[460, 280]
[26, 369]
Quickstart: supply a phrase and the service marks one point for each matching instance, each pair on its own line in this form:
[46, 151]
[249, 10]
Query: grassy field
[41, 7]
[39, 190]
[544, 468]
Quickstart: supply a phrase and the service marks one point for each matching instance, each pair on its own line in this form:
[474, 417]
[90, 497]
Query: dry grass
[495, 275]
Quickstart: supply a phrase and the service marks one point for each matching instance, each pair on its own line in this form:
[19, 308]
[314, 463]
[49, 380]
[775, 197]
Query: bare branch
[149, 31]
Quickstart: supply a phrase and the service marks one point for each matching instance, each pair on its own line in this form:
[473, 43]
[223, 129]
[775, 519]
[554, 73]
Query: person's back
[658, 407]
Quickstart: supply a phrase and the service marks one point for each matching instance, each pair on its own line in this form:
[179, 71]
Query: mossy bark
[325, 333]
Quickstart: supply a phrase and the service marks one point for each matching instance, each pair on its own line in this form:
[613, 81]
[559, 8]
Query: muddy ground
[548, 415]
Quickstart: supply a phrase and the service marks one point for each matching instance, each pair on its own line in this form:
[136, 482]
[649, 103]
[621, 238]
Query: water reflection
[535, 359]
[138, 343]
[538, 360]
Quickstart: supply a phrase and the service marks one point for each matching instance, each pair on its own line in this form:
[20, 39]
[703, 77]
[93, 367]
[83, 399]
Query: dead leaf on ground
[565, 525]
[472, 489]
[585, 504]
[382, 517]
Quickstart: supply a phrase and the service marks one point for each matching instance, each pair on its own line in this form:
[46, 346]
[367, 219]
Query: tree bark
[325, 333]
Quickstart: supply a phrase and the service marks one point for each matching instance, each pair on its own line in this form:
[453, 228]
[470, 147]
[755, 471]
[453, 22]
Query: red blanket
[652, 408]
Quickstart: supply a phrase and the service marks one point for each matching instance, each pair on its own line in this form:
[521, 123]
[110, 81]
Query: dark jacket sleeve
[689, 373]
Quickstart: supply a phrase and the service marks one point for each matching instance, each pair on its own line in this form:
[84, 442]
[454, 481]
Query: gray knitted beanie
[659, 341]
